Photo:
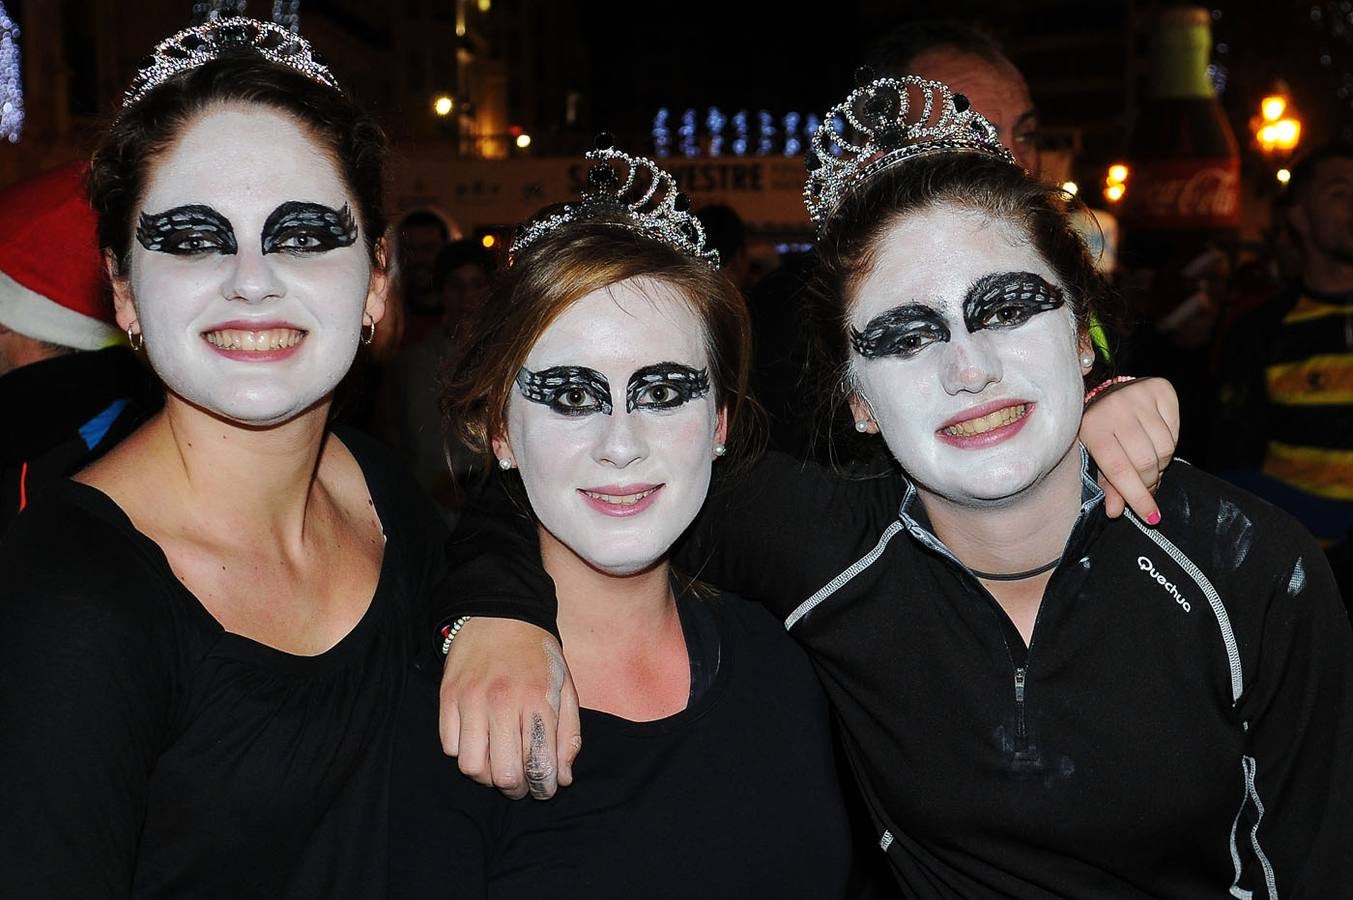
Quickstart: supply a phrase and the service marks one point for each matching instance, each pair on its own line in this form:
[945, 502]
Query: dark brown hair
[851, 241]
[120, 167]
[558, 271]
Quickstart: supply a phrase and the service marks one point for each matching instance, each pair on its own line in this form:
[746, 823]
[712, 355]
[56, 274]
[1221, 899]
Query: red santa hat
[51, 283]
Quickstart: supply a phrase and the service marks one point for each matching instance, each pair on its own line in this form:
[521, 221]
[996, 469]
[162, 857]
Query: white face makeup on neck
[249, 276]
[966, 357]
[613, 423]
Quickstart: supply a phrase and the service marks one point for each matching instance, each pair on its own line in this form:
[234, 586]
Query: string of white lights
[11, 80]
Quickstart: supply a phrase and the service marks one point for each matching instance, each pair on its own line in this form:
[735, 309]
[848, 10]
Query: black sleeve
[86, 674]
[782, 528]
[776, 531]
[1298, 712]
[442, 825]
[493, 563]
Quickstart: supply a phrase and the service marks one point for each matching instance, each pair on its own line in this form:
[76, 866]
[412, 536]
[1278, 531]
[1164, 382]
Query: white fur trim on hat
[33, 315]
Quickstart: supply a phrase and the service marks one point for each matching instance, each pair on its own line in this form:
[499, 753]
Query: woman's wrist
[450, 631]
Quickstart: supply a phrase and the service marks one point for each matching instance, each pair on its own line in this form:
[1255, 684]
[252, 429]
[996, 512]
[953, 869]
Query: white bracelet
[449, 633]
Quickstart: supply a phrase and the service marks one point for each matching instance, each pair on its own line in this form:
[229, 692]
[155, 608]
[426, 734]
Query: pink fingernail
[1153, 519]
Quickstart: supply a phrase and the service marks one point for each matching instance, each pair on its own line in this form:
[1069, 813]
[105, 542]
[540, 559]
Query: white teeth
[255, 341]
[620, 499]
[998, 419]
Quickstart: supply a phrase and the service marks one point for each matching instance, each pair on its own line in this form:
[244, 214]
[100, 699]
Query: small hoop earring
[367, 321]
[504, 463]
[720, 449]
[862, 426]
[135, 339]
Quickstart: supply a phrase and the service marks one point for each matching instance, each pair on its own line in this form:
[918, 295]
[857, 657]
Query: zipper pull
[1020, 730]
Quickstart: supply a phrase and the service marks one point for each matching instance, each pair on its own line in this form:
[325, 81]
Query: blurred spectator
[462, 273]
[421, 236]
[971, 62]
[69, 386]
[725, 232]
[1285, 373]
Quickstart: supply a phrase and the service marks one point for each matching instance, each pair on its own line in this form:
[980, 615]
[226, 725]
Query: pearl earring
[504, 464]
[720, 449]
[862, 426]
[1087, 360]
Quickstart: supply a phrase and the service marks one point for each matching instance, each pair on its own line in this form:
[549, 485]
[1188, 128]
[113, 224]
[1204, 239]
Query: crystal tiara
[635, 193]
[200, 44]
[883, 122]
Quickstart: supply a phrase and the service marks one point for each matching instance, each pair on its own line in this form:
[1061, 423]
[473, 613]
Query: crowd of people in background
[1263, 367]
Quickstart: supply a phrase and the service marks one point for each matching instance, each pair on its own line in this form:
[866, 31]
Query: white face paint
[613, 424]
[986, 413]
[248, 273]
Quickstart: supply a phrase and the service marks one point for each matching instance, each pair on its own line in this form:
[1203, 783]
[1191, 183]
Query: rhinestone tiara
[633, 192]
[200, 44]
[883, 122]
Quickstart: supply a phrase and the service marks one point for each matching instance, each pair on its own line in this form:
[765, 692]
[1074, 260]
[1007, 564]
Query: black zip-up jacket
[1181, 724]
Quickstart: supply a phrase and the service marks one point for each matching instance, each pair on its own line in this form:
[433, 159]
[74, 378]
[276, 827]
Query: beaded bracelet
[449, 632]
[1101, 388]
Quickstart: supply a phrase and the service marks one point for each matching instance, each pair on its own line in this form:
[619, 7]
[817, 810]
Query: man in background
[70, 388]
[1284, 426]
[972, 63]
[412, 420]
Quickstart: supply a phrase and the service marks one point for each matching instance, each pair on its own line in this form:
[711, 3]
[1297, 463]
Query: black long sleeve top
[146, 752]
[1180, 725]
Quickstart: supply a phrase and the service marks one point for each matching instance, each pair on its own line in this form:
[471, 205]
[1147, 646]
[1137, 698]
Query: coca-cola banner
[1184, 194]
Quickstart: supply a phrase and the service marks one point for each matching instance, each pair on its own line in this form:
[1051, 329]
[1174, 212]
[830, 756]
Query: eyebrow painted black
[186, 230]
[679, 384]
[563, 388]
[1008, 300]
[298, 227]
[902, 331]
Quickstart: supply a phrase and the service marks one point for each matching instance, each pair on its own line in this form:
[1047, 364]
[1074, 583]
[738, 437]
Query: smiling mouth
[254, 341]
[621, 499]
[990, 422]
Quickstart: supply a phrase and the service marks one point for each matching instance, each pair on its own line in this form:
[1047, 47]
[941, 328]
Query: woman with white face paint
[609, 369]
[1036, 700]
[205, 634]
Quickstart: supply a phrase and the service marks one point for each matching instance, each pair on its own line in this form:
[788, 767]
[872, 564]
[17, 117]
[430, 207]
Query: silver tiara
[883, 122]
[634, 193]
[200, 44]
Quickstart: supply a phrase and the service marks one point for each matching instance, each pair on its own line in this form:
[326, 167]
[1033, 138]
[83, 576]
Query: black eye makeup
[186, 231]
[568, 390]
[665, 385]
[902, 332]
[1008, 300]
[296, 227]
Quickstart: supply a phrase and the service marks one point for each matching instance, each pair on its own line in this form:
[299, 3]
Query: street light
[1277, 128]
[523, 141]
[1115, 182]
[443, 105]
[1272, 108]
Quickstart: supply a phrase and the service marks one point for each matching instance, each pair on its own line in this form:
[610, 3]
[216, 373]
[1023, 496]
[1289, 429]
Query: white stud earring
[720, 449]
[862, 426]
[504, 463]
[1087, 360]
